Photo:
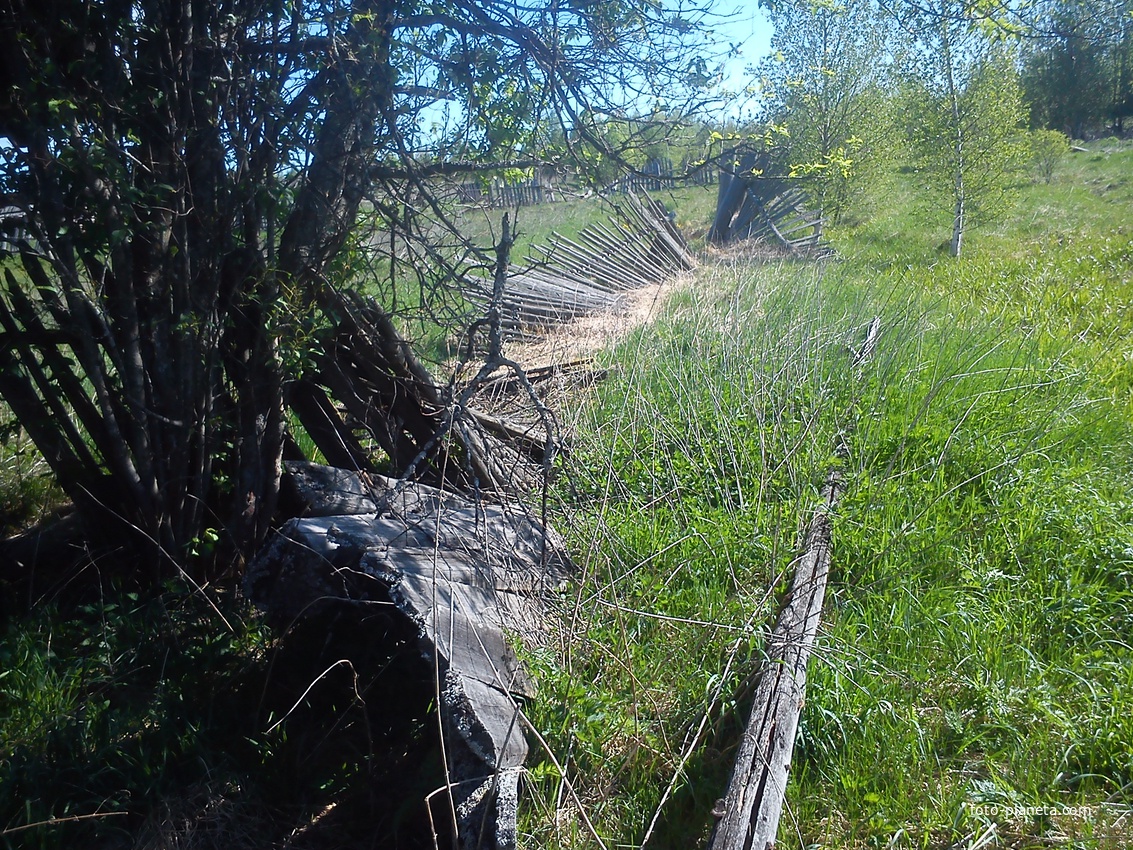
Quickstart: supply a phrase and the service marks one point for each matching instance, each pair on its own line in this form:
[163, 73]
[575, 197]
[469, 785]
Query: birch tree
[964, 112]
[824, 83]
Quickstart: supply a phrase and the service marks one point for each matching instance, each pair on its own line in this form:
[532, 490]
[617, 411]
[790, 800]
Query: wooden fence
[13, 229]
[506, 195]
[534, 192]
[569, 278]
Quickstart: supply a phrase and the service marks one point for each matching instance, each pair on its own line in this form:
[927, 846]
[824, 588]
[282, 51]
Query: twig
[562, 773]
[314, 682]
[52, 821]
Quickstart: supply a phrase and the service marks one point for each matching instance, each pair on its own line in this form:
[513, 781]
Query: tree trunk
[958, 221]
[141, 349]
[958, 152]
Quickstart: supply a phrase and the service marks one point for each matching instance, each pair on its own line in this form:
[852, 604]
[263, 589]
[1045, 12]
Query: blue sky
[746, 26]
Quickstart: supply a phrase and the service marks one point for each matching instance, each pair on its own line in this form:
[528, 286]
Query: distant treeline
[1077, 70]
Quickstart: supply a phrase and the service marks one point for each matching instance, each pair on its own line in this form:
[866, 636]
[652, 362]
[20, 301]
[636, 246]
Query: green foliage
[964, 128]
[111, 710]
[171, 719]
[1077, 74]
[1048, 147]
[27, 489]
[824, 83]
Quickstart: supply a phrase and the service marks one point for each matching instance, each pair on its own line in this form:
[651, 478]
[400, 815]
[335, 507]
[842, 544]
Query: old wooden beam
[748, 816]
[749, 813]
[325, 427]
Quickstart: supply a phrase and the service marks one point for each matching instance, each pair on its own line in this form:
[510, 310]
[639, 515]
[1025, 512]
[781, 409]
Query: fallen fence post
[748, 815]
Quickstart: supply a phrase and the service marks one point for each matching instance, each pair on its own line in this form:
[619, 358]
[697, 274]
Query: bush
[1047, 148]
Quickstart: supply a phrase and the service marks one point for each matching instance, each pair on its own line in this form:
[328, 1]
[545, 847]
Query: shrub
[1047, 148]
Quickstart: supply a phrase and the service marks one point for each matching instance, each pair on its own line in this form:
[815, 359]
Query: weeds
[141, 721]
[974, 670]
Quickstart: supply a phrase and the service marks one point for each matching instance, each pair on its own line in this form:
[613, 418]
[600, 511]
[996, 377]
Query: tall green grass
[974, 672]
[972, 682]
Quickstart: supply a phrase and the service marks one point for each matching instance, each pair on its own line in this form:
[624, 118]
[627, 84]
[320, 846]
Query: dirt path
[587, 336]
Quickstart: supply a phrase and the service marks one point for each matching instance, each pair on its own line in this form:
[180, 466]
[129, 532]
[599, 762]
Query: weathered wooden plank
[671, 240]
[324, 426]
[311, 490]
[531, 441]
[748, 816]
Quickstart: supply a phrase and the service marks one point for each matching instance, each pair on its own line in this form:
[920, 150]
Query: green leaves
[964, 113]
[1047, 148]
[824, 83]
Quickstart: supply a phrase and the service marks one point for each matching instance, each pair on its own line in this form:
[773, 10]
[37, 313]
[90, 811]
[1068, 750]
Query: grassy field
[974, 673]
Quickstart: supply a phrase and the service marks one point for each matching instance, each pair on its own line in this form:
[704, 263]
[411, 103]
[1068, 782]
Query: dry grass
[572, 352]
[592, 334]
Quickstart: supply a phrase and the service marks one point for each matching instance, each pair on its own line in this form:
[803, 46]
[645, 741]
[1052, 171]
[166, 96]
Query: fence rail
[13, 229]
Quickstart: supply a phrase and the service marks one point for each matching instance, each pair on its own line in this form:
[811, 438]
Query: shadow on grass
[139, 721]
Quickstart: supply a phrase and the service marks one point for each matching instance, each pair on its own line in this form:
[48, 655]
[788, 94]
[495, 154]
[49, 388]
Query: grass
[27, 489]
[974, 666]
[974, 669]
[704, 456]
[173, 720]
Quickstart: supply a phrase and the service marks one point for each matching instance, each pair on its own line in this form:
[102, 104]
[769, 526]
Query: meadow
[974, 671]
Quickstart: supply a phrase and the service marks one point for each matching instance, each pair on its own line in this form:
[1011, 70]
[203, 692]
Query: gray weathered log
[467, 574]
[748, 816]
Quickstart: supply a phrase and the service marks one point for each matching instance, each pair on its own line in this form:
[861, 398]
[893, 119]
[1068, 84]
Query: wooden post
[749, 814]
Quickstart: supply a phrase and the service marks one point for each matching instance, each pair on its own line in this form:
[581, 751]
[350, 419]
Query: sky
[747, 27]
